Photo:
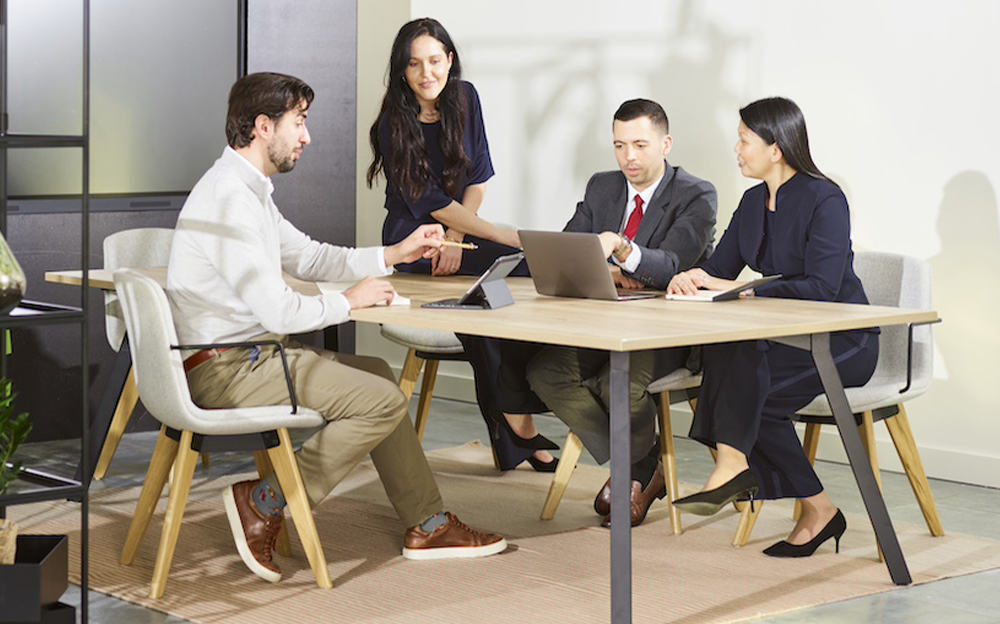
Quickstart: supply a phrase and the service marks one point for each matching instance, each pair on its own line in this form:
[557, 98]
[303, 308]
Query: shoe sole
[233, 513]
[455, 552]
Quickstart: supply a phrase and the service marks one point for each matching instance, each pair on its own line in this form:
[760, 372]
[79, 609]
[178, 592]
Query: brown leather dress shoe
[254, 533]
[641, 498]
[602, 504]
[451, 540]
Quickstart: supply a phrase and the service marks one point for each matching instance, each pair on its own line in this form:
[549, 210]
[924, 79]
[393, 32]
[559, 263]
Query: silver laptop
[572, 264]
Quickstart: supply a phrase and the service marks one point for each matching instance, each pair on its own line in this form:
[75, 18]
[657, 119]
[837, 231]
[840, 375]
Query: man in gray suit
[654, 220]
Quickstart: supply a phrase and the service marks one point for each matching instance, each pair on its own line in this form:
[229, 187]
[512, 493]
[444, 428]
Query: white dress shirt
[224, 279]
[635, 256]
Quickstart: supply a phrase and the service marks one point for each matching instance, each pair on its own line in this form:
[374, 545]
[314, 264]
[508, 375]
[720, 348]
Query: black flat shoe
[541, 466]
[709, 502]
[834, 528]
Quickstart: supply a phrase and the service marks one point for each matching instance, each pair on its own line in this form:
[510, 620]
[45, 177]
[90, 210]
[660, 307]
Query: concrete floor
[973, 510]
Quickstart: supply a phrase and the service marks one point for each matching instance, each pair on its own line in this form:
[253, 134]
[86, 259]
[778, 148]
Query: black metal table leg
[819, 346]
[101, 423]
[621, 522]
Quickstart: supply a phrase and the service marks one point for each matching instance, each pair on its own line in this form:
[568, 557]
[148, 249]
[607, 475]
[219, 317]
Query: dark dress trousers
[675, 233]
[750, 389]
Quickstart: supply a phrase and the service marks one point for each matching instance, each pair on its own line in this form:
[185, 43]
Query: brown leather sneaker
[451, 540]
[254, 533]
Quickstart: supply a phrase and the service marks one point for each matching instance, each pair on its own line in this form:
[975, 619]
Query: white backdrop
[896, 95]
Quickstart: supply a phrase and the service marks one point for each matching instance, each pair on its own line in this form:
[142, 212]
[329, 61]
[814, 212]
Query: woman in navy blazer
[796, 224]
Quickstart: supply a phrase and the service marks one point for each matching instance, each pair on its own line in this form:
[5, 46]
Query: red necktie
[633, 219]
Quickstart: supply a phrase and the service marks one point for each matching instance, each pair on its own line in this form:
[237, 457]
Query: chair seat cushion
[679, 379]
[430, 340]
[248, 420]
[866, 398]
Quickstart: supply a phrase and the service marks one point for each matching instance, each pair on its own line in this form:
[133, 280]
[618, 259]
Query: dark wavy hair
[263, 93]
[407, 165]
[780, 120]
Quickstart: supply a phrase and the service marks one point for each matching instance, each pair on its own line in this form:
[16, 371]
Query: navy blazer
[676, 230]
[809, 242]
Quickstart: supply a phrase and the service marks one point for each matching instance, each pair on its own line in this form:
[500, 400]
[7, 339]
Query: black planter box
[36, 579]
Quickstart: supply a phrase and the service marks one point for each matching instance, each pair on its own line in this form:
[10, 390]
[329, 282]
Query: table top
[608, 325]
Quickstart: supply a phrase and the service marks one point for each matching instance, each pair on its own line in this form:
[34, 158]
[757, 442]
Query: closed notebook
[723, 295]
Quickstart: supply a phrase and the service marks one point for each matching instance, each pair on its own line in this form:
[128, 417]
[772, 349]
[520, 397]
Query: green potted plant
[13, 431]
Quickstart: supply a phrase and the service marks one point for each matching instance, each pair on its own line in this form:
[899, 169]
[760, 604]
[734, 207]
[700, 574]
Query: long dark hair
[780, 120]
[408, 165]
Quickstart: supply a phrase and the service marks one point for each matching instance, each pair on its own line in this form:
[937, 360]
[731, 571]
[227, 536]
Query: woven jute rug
[554, 572]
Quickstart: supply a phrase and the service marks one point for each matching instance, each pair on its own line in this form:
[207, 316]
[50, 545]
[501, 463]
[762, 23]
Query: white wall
[896, 95]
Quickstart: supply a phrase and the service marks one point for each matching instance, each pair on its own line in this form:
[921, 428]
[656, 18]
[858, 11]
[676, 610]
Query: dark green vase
[12, 282]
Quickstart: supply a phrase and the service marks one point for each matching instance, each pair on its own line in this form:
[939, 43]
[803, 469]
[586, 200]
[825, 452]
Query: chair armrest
[909, 352]
[247, 345]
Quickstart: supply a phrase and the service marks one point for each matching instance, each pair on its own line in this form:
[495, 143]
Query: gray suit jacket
[677, 228]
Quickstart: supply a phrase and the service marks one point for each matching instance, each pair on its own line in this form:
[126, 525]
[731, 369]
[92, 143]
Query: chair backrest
[141, 248]
[905, 282]
[159, 371]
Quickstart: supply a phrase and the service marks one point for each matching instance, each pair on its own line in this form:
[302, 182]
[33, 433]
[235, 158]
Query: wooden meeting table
[626, 326]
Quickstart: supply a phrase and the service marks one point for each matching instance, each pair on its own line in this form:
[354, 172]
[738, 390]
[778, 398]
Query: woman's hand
[689, 282]
[423, 242]
[447, 261]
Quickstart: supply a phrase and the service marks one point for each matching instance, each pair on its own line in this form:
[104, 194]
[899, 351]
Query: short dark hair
[263, 93]
[634, 109]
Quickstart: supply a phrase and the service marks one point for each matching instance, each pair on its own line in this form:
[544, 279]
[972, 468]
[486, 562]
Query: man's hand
[424, 242]
[369, 292]
[609, 242]
[622, 280]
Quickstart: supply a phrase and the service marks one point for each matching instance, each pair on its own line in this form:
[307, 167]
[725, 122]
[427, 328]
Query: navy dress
[750, 389]
[405, 215]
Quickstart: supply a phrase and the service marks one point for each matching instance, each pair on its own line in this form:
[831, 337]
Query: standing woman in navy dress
[429, 142]
[795, 224]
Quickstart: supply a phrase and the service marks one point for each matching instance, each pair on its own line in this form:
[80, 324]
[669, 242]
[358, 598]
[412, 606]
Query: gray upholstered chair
[188, 429]
[137, 249]
[423, 345]
[903, 372]
[680, 385]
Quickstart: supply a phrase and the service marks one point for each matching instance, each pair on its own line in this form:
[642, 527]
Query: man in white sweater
[224, 284]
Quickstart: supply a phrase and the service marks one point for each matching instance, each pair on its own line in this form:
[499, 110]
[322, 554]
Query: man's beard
[282, 162]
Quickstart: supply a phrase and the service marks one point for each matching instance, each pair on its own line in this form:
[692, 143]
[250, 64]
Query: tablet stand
[493, 295]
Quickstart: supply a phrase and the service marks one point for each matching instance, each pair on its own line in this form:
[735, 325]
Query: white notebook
[723, 295]
[328, 288]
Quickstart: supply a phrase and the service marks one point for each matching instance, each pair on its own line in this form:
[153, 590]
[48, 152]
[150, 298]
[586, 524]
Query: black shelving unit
[33, 485]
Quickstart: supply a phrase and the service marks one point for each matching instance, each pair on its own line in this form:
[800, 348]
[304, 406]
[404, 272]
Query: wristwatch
[622, 251]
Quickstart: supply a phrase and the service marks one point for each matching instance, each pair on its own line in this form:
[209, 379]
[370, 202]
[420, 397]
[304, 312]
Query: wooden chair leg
[906, 447]
[669, 459]
[560, 479]
[283, 460]
[264, 469]
[748, 517]
[426, 391]
[183, 471]
[156, 477]
[410, 372]
[206, 461]
[867, 431]
[810, 445]
[123, 412]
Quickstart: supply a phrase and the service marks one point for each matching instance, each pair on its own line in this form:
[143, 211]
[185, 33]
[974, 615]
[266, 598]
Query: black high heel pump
[511, 449]
[742, 486]
[834, 528]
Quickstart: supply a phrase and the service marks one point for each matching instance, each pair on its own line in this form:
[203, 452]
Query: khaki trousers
[365, 412]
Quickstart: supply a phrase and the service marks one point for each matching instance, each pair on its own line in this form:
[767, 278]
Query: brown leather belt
[201, 357]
